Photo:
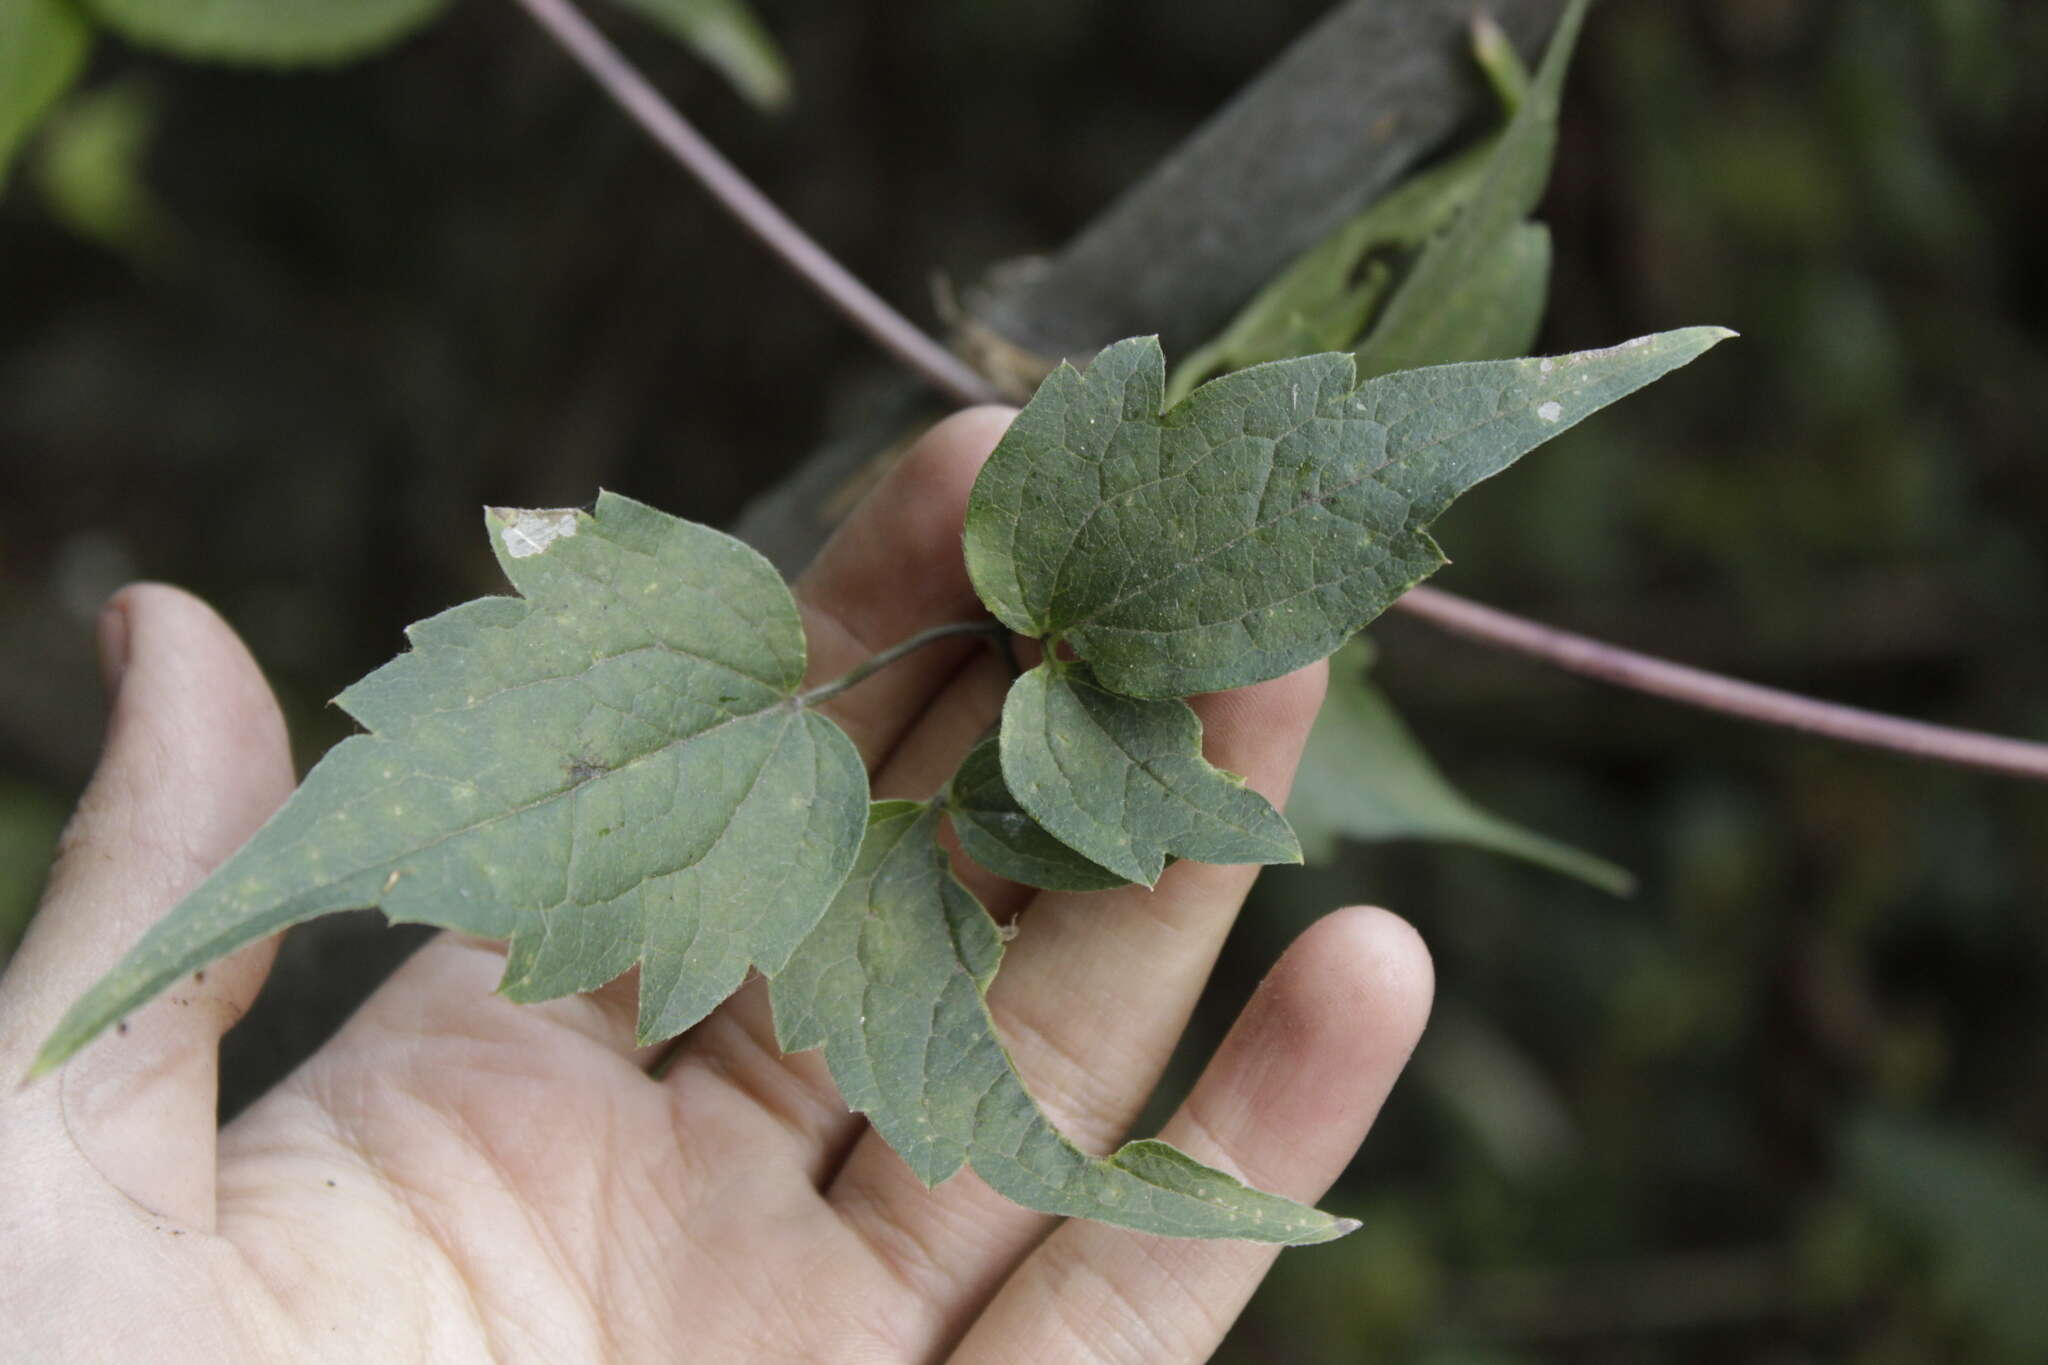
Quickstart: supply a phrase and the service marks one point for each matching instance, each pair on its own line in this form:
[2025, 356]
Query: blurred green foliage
[1788, 1103]
[90, 171]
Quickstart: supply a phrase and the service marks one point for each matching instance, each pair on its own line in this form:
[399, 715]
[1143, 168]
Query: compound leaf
[609, 769]
[43, 44]
[1122, 781]
[892, 984]
[266, 32]
[1000, 835]
[1256, 526]
[1364, 776]
[725, 35]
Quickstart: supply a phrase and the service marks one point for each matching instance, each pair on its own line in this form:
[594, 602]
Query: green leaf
[265, 32]
[43, 45]
[1498, 308]
[1323, 301]
[1364, 777]
[90, 170]
[1441, 311]
[726, 36]
[607, 770]
[997, 832]
[1259, 524]
[1122, 781]
[1980, 1206]
[892, 984]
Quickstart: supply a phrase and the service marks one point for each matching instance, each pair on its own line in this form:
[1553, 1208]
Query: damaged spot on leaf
[530, 531]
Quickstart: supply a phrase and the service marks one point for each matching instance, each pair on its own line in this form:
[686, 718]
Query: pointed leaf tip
[1365, 776]
[1267, 517]
[893, 983]
[517, 781]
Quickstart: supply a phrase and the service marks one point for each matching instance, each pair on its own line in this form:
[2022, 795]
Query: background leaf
[1363, 776]
[726, 36]
[1123, 781]
[90, 170]
[605, 771]
[1258, 525]
[266, 32]
[1000, 835]
[1476, 292]
[1325, 299]
[892, 984]
[1980, 1206]
[43, 44]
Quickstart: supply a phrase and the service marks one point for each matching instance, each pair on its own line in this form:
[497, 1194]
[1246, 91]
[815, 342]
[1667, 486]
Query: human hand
[457, 1177]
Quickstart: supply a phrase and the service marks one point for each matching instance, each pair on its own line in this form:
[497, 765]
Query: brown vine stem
[1607, 663]
[662, 121]
[925, 357]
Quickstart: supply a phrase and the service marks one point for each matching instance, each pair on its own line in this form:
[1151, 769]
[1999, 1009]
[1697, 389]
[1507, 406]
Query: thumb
[195, 759]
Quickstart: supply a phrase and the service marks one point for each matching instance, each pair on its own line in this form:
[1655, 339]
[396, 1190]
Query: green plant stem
[924, 356]
[662, 121]
[856, 676]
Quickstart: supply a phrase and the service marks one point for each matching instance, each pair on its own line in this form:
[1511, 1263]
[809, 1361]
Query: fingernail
[113, 636]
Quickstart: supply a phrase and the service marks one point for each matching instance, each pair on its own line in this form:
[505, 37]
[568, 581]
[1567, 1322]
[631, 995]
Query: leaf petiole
[862, 672]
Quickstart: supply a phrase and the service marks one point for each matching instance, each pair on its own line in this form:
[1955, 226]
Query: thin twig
[861, 673]
[947, 373]
[1712, 692]
[889, 329]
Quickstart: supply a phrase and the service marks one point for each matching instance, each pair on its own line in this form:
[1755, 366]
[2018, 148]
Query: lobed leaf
[265, 32]
[1364, 776]
[1256, 526]
[1122, 781]
[893, 982]
[43, 45]
[1000, 835]
[609, 769]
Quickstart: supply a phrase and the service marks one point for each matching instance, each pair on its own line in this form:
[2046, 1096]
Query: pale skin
[455, 1177]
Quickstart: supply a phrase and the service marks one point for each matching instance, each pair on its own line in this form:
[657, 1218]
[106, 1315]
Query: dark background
[1788, 1103]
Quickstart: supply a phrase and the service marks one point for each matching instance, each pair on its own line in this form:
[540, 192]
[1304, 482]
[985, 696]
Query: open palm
[456, 1177]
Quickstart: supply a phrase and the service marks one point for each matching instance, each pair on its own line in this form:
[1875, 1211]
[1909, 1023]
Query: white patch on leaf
[529, 531]
[1550, 412]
